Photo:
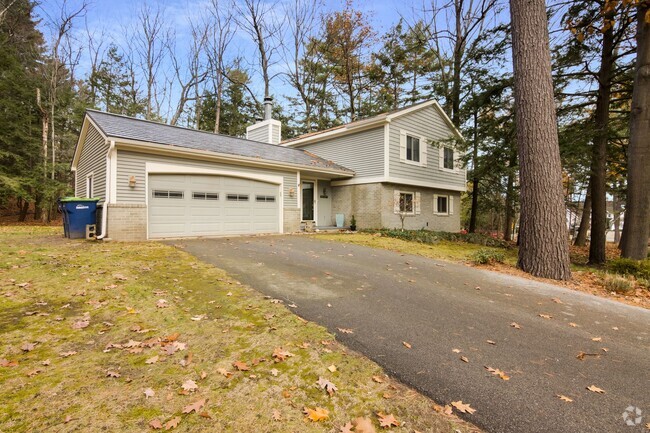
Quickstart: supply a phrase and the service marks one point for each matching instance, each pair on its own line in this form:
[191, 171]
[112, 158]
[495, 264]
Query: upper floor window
[89, 186]
[412, 149]
[448, 158]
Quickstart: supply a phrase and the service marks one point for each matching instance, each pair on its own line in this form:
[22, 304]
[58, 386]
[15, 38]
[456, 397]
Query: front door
[308, 201]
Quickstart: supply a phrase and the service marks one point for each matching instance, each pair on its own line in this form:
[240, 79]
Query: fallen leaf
[345, 330]
[34, 372]
[363, 425]
[155, 424]
[456, 350]
[204, 414]
[280, 355]
[203, 375]
[464, 359]
[327, 385]
[377, 379]
[277, 416]
[407, 345]
[446, 409]
[172, 423]
[67, 354]
[27, 347]
[152, 360]
[189, 385]
[515, 325]
[149, 393]
[564, 398]
[463, 407]
[573, 325]
[162, 303]
[7, 363]
[241, 366]
[45, 363]
[112, 374]
[332, 368]
[196, 406]
[347, 428]
[274, 372]
[497, 372]
[187, 360]
[581, 355]
[80, 324]
[316, 414]
[224, 372]
[387, 420]
[545, 316]
[491, 342]
[594, 388]
[557, 301]
[597, 339]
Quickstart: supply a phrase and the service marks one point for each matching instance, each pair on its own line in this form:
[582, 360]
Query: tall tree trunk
[599, 158]
[581, 237]
[24, 208]
[636, 229]
[544, 250]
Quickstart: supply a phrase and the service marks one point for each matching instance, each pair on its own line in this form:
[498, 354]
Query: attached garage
[204, 205]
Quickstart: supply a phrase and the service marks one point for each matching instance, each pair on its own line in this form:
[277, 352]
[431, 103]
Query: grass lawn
[585, 278]
[129, 337]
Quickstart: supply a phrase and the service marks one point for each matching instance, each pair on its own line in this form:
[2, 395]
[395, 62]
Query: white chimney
[268, 130]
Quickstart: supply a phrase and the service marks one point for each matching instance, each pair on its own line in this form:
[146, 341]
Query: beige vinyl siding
[133, 164]
[258, 134]
[92, 160]
[426, 123]
[362, 152]
[275, 133]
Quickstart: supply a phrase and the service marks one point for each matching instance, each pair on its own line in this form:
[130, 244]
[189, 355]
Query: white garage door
[201, 205]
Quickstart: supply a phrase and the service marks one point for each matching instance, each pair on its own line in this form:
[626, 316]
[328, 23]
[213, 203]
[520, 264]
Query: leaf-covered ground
[585, 278]
[141, 337]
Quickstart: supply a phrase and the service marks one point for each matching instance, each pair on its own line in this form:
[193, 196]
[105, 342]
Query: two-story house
[159, 181]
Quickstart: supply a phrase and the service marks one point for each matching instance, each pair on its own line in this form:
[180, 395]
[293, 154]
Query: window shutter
[435, 203]
[396, 201]
[417, 203]
[441, 157]
[450, 204]
[402, 146]
[423, 151]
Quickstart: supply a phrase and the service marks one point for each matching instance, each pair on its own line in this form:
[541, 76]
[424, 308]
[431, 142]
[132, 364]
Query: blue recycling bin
[77, 214]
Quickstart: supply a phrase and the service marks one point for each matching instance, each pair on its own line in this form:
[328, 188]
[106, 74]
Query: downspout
[108, 190]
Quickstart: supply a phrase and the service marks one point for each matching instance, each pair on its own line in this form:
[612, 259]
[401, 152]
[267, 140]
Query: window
[205, 195]
[443, 204]
[412, 149]
[89, 186]
[448, 158]
[159, 193]
[265, 198]
[406, 202]
[237, 197]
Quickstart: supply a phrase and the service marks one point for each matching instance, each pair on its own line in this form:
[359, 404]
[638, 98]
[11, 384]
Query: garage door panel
[204, 209]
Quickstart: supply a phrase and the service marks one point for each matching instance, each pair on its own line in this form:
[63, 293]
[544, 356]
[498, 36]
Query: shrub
[639, 269]
[617, 284]
[486, 257]
[431, 237]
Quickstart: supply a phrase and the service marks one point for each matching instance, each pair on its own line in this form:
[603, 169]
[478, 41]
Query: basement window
[159, 193]
[205, 195]
[237, 197]
[265, 198]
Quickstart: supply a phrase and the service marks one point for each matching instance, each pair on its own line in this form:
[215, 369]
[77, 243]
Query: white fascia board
[398, 180]
[161, 149]
[410, 109]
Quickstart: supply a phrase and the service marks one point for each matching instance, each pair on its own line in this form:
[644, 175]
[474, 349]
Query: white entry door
[202, 205]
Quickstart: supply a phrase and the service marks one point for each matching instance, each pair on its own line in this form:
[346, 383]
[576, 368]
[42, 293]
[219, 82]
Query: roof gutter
[107, 200]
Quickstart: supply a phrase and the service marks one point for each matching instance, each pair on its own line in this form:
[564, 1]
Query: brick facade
[291, 219]
[127, 222]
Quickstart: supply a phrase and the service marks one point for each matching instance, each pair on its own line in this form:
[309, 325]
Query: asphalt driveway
[447, 311]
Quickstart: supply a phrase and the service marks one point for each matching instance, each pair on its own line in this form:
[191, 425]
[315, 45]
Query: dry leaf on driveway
[515, 325]
[594, 388]
[316, 414]
[464, 359]
[564, 398]
[407, 345]
[463, 407]
[345, 330]
[545, 316]
[497, 372]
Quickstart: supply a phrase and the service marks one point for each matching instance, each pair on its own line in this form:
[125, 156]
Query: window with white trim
[412, 149]
[406, 202]
[448, 158]
[443, 204]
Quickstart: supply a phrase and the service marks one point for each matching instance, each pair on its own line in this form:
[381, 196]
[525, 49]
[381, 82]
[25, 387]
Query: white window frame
[450, 204]
[416, 202]
[90, 184]
[441, 159]
[422, 148]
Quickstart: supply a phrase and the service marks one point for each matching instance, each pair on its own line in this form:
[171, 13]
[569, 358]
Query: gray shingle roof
[118, 126]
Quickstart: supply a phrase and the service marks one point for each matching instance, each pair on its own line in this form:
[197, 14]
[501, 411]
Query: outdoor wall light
[292, 192]
[132, 181]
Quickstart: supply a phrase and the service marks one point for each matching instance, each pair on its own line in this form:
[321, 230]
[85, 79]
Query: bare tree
[257, 18]
[544, 250]
[151, 39]
[221, 30]
[96, 51]
[191, 75]
[637, 213]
